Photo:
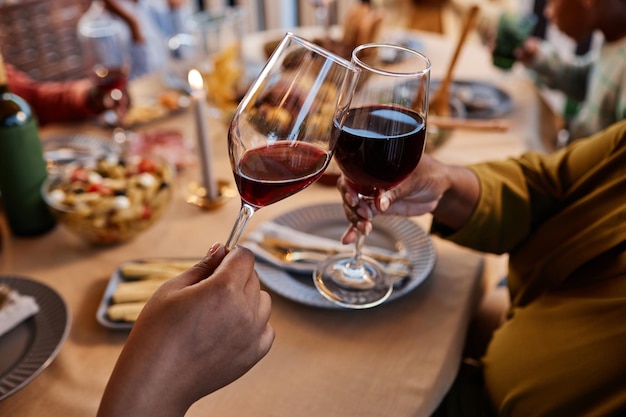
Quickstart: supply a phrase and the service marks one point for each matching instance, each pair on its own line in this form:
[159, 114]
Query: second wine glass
[283, 133]
[381, 143]
[105, 46]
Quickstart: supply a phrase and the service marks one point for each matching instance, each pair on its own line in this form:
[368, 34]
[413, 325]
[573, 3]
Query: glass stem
[356, 262]
[245, 213]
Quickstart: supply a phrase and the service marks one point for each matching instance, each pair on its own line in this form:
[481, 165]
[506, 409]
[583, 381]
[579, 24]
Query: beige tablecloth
[395, 360]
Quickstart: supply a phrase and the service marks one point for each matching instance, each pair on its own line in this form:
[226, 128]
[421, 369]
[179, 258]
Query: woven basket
[39, 37]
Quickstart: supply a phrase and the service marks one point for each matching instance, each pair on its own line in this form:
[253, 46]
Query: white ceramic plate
[27, 349]
[328, 220]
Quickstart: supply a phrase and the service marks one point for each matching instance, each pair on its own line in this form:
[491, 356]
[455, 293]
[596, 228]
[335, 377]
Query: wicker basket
[39, 37]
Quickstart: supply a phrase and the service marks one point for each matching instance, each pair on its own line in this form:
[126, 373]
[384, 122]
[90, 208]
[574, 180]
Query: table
[394, 360]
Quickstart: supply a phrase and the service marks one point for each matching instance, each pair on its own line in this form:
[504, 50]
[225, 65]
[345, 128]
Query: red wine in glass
[269, 174]
[380, 143]
[379, 146]
[282, 135]
[111, 82]
[107, 79]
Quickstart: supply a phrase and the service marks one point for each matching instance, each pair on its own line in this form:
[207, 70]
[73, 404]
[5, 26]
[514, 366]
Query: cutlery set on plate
[288, 252]
[301, 252]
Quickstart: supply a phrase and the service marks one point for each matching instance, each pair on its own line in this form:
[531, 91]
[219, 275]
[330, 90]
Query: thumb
[387, 198]
[204, 268]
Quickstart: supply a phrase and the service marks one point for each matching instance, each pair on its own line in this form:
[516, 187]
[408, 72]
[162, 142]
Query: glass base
[358, 288]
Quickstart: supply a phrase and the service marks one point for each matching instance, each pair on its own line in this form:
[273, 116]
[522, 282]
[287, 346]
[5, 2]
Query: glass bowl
[109, 200]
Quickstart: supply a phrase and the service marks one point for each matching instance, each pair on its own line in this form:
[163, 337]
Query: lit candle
[204, 142]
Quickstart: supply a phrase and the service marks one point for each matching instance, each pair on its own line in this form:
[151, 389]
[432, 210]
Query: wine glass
[105, 46]
[283, 133]
[380, 144]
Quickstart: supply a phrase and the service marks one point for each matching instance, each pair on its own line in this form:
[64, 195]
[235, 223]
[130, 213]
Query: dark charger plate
[27, 349]
[480, 100]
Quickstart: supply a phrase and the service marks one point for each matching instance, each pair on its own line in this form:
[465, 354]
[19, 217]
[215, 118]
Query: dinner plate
[27, 349]
[481, 100]
[328, 220]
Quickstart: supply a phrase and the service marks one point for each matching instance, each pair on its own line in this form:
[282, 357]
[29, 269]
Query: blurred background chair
[39, 37]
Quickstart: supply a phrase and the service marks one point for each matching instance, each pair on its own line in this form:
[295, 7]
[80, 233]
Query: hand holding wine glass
[283, 133]
[381, 142]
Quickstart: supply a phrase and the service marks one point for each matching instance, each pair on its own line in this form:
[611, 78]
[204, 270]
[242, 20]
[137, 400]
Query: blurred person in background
[151, 23]
[448, 16]
[78, 100]
[61, 101]
[170, 16]
[596, 80]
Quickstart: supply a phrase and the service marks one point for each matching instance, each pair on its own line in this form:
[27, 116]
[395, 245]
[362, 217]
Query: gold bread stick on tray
[133, 291]
[155, 268]
[125, 311]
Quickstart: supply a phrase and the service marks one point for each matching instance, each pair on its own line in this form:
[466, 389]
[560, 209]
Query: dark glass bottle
[22, 165]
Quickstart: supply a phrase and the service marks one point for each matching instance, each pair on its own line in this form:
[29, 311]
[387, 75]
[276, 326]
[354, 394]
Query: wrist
[459, 199]
[138, 388]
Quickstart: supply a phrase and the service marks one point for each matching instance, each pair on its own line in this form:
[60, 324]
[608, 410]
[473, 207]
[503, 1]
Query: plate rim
[41, 352]
[422, 270]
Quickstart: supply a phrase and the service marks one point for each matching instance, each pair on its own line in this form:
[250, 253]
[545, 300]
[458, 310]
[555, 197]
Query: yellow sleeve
[519, 194]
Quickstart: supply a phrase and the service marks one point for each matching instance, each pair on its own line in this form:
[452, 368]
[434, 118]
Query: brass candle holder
[197, 195]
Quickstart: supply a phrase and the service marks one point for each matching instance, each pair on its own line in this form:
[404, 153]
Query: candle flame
[195, 79]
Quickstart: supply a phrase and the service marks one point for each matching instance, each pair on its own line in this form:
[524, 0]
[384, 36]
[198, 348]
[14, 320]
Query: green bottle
[22, 165]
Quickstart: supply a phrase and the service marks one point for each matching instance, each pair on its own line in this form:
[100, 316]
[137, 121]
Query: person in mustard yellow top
[447, 16]
[562, 220]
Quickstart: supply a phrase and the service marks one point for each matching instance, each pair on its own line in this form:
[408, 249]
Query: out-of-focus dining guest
[596, 80]
[171, 16]
[150, 24]
[61, 101]
[203, 330]
[448, 16]
[561, 219]
[147, 48]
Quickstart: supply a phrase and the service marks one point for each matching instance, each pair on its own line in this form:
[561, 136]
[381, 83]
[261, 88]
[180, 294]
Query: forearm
[134, 390]
[567, 77]
[52, 101]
